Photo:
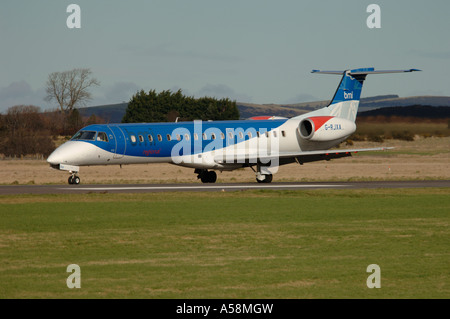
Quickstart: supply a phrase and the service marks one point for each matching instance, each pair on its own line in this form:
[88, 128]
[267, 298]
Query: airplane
[261, 143]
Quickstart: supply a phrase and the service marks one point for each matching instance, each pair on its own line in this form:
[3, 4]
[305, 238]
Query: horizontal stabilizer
[364, 71]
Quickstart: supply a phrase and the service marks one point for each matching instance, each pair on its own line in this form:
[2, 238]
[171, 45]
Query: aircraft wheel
[204, 178]
[267, 179]
[74, 180]
[212, 177]
[208, 177]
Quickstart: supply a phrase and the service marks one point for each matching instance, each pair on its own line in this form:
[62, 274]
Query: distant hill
[404, 101]
[369, 103]
[113, 113]
[417, 111]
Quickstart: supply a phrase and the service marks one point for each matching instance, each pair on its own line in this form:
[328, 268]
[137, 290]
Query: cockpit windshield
[84, 135]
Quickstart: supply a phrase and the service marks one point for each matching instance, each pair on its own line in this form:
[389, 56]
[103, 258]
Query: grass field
[251, 244]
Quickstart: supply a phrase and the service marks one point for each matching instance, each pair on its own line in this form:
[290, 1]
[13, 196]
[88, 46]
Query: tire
[267, 179]
[208, 177]
[204, 177]
[212, 177]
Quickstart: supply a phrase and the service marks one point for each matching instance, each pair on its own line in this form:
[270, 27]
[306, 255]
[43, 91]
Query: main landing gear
[264, 178]
[206, 176]
[74, 179]
[263, 175]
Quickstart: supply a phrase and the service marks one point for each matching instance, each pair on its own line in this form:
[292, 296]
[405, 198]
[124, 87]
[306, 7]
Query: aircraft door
[120, 142]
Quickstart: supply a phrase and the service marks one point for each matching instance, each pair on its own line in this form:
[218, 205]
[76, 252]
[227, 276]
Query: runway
[197, 187]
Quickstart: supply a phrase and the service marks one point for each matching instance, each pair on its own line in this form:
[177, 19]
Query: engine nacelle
[325, 128]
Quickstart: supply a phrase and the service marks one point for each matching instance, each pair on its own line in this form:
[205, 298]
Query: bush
[373, 137]
[358, 137]
[404, 136]
[23, 132]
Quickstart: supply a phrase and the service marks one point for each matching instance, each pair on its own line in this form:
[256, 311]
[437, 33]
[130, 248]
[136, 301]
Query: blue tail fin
[350, 87]
[345, 101]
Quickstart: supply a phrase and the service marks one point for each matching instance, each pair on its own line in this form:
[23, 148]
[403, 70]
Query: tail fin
[345, 101]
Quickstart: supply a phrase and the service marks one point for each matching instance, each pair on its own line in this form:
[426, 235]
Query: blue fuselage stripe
[135, 139]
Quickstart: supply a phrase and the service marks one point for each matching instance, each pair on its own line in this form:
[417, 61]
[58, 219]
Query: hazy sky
[248, 50]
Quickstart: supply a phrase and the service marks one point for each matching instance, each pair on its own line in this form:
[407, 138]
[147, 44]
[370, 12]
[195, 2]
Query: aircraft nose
[52, 159]
[56, 157]
[72, 153]
[75, 153]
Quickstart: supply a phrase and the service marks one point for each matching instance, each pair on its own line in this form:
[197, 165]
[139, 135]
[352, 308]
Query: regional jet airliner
[261, 143]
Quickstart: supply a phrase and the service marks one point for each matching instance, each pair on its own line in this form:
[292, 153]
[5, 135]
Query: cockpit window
[84, 135]
[101, 136]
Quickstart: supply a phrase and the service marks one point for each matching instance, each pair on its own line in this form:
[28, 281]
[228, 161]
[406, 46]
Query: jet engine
[325, 128]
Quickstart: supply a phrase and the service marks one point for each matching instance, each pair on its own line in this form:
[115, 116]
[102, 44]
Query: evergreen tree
[166, 106]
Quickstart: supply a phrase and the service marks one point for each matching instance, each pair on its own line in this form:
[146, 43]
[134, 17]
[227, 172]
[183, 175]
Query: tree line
[25, 130]
[168, 106]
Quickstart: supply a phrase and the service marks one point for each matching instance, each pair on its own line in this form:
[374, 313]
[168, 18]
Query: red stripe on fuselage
[268, 117]
[319, 121]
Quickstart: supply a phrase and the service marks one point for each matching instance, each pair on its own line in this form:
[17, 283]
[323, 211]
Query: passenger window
[274, 133]
[133, 138]
[159, 137]
[249, 134]
[257, 133]
[150, 138]
[241, 136]
[195, 136]
[204, 136]
[267, 134]
[213, 136]
[141, 138]
[169, 138]
[222, 136]
[178, 137]
[101, 136]
[230, 134]
[283, 133]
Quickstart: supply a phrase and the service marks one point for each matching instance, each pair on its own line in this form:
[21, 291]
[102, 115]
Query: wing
[287, 157]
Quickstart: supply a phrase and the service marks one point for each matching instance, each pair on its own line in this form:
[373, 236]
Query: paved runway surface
[147, 188]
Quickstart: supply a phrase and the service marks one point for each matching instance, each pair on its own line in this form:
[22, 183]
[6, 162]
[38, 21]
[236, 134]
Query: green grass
[252, 244]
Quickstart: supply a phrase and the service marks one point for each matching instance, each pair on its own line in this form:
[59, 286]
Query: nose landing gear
[74, 179]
